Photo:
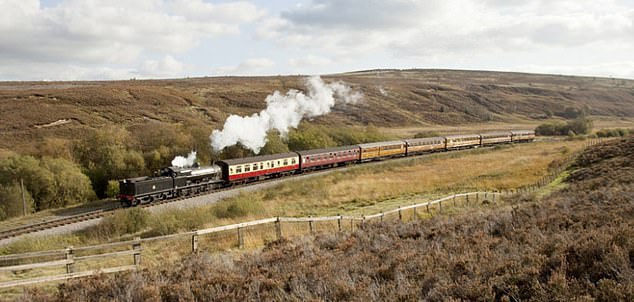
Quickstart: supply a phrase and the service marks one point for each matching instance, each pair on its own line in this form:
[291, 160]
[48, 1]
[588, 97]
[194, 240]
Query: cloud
[81, 33]
[249, 66]
[435, 28]
[309, 60]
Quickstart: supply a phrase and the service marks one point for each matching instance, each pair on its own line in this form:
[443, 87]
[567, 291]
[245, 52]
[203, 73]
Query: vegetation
[617, 132]
[580, 125]
[48, 183]
[360, 190]
[574, 245]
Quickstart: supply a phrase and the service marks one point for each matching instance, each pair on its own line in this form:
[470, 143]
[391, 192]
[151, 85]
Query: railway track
[49, 224]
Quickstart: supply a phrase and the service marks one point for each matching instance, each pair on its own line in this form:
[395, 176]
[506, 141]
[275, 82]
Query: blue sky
[84, 40]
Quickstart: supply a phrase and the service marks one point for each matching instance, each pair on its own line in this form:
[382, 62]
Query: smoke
[184, 162]
[283, 112]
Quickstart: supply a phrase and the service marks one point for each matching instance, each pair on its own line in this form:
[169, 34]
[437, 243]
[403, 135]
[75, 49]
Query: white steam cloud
[283, 111]
[184, 162]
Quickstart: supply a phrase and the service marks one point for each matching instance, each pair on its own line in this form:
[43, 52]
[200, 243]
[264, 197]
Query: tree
[309, 137]
[49, 182]
[11, 204]
[274, 144]
[106, 155]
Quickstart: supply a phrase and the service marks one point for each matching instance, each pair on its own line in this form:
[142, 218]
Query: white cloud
[123, 33]
[453, 30]
[249, 66]
[309, 60]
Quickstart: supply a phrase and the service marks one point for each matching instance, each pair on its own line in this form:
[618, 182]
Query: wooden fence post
[400, 215]
[477, 197]
[467, 198]
[278, 228]
[351, 225]
[136, 246]
[454, 200]
[70, 267]
[440, 206]
[486, 195]
[310, 225]
[493, 197]
[382, 216]
[240, 238]
[427, 206]
[339, 222]
[195, 242]
[415, 212]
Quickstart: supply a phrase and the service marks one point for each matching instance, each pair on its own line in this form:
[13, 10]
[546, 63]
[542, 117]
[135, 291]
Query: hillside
[574, 244]
[32, 111]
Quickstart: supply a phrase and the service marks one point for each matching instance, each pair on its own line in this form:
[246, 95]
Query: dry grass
[361, 190]
[575, 245]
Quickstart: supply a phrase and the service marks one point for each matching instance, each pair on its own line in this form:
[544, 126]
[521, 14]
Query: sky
[105, 40]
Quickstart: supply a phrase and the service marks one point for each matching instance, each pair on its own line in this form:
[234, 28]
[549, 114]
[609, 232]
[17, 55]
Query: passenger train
[175, 182]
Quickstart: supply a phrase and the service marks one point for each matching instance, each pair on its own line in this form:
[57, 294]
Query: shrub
[113, 188]
[580, 125]
[426, 134]
[240, 206]
[121, 222]
[612, 132]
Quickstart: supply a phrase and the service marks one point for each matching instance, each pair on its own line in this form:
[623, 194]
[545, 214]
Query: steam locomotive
[175, 182]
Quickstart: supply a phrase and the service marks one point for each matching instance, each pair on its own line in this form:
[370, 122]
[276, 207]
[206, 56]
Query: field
[39, 114]
[575, 244]
[360, 190]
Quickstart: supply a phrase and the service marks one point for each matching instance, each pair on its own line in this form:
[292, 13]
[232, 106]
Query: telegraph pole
[23, 198]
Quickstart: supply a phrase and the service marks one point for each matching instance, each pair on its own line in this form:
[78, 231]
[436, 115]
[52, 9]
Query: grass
[574, 245]
[360, 190]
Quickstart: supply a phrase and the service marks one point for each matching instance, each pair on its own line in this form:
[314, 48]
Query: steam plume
[184, 162]
[283, 111]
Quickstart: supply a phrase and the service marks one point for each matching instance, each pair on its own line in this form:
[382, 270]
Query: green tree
[106, 155]
[50, 182]
[309, 137]
[274, 144]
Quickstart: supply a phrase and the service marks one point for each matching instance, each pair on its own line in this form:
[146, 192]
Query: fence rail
[70, 258]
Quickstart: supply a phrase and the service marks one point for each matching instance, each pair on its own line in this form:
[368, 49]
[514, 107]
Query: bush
[426, 134]
[581, 125]
[113, 188]
[240, 206]
[121, 222]
[618, 132]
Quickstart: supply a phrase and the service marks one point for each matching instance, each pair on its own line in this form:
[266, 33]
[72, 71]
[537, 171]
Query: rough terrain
[574, 245]
[33, 111]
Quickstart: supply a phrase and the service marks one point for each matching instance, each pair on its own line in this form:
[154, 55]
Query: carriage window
[230, 170]
[247, 168]
[293, 161]
[238, 169]
[261, 166]
[255, 167]
[286, 162]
